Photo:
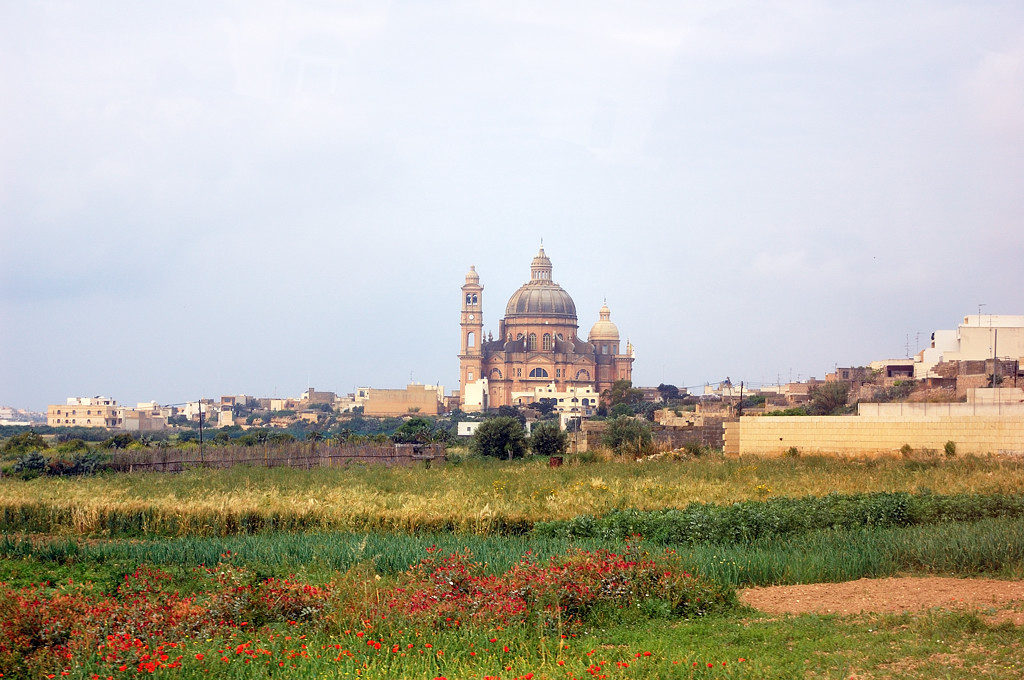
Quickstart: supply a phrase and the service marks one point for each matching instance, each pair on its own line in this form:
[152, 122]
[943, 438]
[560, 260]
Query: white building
[979, 337]
[581, 400]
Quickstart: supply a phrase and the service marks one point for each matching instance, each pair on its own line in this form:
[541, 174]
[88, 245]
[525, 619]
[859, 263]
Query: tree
[668, 392]
[415, 430]
[26, 441]
[544, 406]
[625, 435]
[828, 399]
[623, 392]
[499, 437]
[512, 412]
[548, 439]
[121, 440]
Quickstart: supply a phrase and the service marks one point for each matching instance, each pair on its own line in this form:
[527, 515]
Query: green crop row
[990, 547]
[751, 520]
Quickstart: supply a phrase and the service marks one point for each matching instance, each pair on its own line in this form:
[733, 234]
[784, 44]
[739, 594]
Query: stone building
[537, 344]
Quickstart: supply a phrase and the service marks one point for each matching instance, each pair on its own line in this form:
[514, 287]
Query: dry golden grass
[478, 495]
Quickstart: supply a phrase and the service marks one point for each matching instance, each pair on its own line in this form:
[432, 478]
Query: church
[537, 352]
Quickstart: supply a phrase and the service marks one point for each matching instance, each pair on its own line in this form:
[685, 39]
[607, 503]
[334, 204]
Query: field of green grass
[257, 573]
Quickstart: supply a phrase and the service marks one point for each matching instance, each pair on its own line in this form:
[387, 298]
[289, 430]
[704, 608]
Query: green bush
[500, 437]
[29, 465]
[23, 443]
[548, 439]
[627, 436]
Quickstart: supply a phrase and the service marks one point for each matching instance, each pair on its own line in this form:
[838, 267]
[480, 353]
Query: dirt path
[999, 600]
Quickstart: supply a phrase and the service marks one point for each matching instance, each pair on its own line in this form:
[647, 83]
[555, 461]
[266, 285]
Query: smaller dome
[472, 276]
[604, 329]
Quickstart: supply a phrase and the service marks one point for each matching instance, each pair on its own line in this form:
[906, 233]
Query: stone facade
[421, 400]
[992, 421]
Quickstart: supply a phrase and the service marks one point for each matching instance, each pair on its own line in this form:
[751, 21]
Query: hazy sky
[207, 198]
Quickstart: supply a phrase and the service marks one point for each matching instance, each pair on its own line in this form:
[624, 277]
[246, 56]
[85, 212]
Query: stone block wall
[875, 435]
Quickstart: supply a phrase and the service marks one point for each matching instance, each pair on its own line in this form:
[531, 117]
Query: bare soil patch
[997, 600]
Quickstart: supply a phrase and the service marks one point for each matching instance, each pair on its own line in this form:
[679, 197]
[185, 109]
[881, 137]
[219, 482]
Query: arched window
[471, 339]
[469, 299]
[538, 373]
[519, 336]
[560, 337]
[547, 342]
[495, 374]
[583, 374]
[474, 298]
[586, 402]
[531, 342]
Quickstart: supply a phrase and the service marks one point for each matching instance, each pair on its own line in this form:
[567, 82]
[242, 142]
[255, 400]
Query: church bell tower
[472, 326]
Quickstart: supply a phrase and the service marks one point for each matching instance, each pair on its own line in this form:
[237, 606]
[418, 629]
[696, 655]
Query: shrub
[23, 443]
[828, 399]
[501, 437]
[697, 450]
[950, 448]
[627, 436]
[548, 439]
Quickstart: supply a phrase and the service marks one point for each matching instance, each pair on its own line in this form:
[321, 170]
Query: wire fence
[300, 455]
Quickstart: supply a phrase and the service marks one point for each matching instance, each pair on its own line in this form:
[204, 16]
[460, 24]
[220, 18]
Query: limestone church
[537, 352]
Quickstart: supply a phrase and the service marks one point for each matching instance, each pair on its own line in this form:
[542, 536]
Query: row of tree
[505, 437]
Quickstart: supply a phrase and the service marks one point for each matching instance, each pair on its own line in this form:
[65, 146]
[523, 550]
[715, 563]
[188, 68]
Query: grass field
[334, 595]
[478, 496]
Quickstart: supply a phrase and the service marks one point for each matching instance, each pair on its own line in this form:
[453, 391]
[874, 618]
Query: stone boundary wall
[709, 434]
[942, 409]
[874, 435]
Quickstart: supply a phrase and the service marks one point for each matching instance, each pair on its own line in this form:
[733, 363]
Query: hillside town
[539, 368]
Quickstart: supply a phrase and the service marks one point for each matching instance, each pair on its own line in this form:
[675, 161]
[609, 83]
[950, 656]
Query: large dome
[541, 296]
[540, 300]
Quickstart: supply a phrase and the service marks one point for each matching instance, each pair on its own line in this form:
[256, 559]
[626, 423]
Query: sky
[254, 197]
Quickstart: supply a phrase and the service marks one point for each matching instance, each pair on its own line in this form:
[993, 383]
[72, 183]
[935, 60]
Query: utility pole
[202, 458]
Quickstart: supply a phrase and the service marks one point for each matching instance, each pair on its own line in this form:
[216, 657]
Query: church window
[538, 373]
[604, 349]
[558, 373]
[470, 376]
[531, 343]
[583, 374]
[547, 341]
[519, 373]
[471, 339]
[495, 374]
[474, 298]
[469, 299]
[519, 336]
[560, 337]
